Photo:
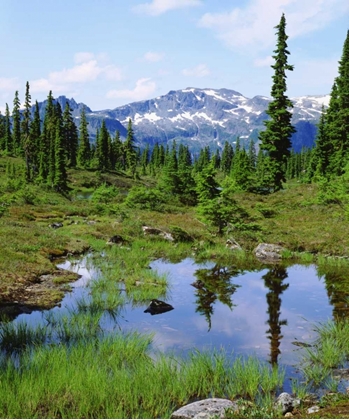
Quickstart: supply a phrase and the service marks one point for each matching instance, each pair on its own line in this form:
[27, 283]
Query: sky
[108, 53]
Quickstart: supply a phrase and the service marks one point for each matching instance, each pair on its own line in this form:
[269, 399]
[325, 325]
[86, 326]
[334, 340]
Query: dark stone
[56, 225]
[158, 307]
[116, 239]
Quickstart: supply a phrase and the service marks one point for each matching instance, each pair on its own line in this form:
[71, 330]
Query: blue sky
[107, 53]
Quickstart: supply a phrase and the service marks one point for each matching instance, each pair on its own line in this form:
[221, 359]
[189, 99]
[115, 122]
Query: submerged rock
[205, 409]
[158, 307]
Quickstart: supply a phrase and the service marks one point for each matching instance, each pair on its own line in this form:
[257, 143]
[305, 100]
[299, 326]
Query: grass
[115, 377]
[100, 376]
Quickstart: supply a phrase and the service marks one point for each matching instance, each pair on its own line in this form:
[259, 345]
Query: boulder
[268, 252]
[157, 232]
[205, 409]
[285, 403]
[232, 244]
[157, 307]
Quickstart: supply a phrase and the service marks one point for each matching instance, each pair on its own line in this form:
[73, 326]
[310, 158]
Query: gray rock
[232, 244]
[268, 252]
[205, 409]
[157, 232]
[313, 409]
[285, 403]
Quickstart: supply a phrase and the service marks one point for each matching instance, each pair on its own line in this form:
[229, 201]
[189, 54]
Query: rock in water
[158, 307]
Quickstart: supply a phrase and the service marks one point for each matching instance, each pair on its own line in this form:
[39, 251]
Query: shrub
[145, 198]
[104, 194]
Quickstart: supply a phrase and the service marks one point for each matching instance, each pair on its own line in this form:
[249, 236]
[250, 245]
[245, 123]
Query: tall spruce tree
[34, 140]
[130, 150]
[25, 133]
[16, 130]
[275, 140]
[103, 148]
[60, 173]
[84, 149]
[8, 141]
[337, 124]
[70, 136]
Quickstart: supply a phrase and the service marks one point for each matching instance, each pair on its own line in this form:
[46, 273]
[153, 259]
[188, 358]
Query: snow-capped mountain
[201, 117]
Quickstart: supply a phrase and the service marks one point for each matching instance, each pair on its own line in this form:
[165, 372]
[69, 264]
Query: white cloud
[9, 84]
[82, 57]
[158, 7]
[199, 71]
[153, 56]
[253, 28]
[81, 73]
[144, 88]
[88, 68]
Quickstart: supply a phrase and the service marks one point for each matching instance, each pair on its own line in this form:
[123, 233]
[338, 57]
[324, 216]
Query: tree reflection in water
[273, 280]
[214, 284]
[337, 286]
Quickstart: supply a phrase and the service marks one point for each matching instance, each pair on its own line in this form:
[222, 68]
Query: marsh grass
[16, 337]
[115, 377]
[331, 350]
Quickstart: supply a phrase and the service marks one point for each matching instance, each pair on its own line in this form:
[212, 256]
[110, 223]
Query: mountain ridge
[200, 117]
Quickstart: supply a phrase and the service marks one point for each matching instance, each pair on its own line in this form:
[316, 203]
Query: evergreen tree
[60, 173]
[46, 143]
[103, 148]
[84, 150]
[34, 140]
[170, 181]
[275, 140]
[130, 150]
[216, 206]
[70, 136]
[227, 157]
[337, 118]
[118, 153]
[2, 132]
[217, 159]
[321, 152]
[16, 131]
[187, 185]
[144, 159]
[241, 170]
[8, 142]
[25, 124]
[203, 159]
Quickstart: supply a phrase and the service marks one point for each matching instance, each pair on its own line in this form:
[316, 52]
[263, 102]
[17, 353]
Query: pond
[268, 313]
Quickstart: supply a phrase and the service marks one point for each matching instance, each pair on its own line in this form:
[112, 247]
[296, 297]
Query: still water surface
[261, 313]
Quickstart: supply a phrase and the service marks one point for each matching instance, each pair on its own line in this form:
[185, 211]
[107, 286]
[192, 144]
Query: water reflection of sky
[242, 329]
